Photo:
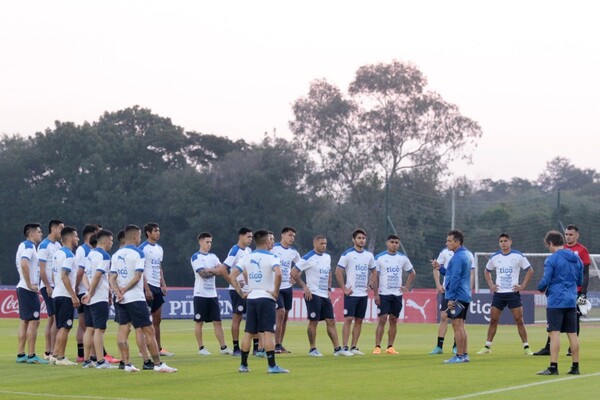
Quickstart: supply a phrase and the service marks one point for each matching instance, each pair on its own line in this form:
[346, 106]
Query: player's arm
[339, 276]
[472, 278]
[545, 281]
[436, 278]
[296, 275]
[412, 274]
[147, 290]
[490, 282]
[94, 284]
[235, 272]
[64, 276]
[79, 277]
[25, 271]
[134, 281]
[44, 277]
[114, 285]
[526, 279]
[277, 283]
[163, 283]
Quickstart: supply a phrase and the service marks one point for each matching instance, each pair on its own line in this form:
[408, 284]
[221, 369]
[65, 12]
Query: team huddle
[261, 282]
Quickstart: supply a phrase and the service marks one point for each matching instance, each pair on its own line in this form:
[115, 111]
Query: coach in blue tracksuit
[563, 272]
[458, 292]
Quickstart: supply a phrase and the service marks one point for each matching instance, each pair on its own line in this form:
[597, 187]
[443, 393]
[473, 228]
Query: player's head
[33, 232]
[271, 240]
[133, 234]
[504, 241]
[320, 243]
[69, 236]
[88, 231]
[121, 237]
[261, 238]
[245, 237]
[554, 239]
[359, 238]
[571, 234]
[104, 239]
[455, 239]
[152, 231]
[392, 243]
[54, 228]
[205, 241]
[288, 236]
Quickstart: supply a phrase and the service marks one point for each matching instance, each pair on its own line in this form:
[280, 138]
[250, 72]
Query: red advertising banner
[9, 305]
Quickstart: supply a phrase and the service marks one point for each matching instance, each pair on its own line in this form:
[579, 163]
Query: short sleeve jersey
[235, 255]
[63, 261]
[390, 267]
[445, 256]
[287, 257]
[317, 268]
[357, 265]
[26, 251]
[80, 261]
[204, 287]
[259, 266]
[98, 261]
[46, 251]
[507, 267]
[153, 256]
[125, 263]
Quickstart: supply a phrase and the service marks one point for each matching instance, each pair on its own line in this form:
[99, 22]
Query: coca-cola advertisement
[9, 304]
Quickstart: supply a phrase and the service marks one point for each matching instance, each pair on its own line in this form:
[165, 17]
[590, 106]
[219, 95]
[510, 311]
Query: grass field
[412, 374]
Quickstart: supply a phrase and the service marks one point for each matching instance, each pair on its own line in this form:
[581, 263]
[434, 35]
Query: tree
[561, 174]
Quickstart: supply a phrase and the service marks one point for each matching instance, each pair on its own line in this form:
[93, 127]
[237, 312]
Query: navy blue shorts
[285, 299]
[319, 308]
[355, 306]
[82, 307]
[206, 309]
[135, 313]
[158, 299]
[389, 304]
[443, 302]
[50, 309]
[561, 319]
[260, 315]
[463, 313]
[512, 300]
[64, 312]
[89, 322]
[29, 305]
[98, 314]
[237, 303]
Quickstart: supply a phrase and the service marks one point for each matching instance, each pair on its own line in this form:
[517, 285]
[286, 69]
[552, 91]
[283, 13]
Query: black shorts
[114, 302]
[512, 300]
[237, 303]
[463, 313]
[355, 306]
[158, 299]
[64, 312]
[561, 319]
[135, 313]
[260, 315]
[443, 302]
[389, 304]
[206, 309]
[97, 314]
[319, 308]
[50, 309]
[29, 305]
[285, 299]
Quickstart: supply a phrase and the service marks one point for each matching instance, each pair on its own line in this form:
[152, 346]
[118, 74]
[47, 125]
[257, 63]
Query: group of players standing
[261, 288]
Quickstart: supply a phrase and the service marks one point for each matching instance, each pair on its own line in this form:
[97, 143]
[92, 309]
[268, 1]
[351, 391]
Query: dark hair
[260, 237]
[29, 227]
[93, 241]
[320, 236]
[244, 231]
[54, 222]
[103, 233]
[572, 227]
[66, 231]
[504, 235]
[89, 229]
[204, 235]
[393, 237]
[457, 235]
[554, 238]
[120, 235]
[357, 232]
[149, 227]
[287, 229]
[130, 228]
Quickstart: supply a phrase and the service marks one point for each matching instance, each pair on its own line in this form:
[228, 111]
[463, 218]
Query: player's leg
[122, 336]
[311, 331]
[360, 312]
[495, 313]
[279, 324]
[198, 332]
[88, 343]
[443, 326]
[21, 339]
[218, 327]
[517, 313]
[458, 325]
[394, 314]
[32, 330]
[392, 330]
[381, 321]
[81, 330]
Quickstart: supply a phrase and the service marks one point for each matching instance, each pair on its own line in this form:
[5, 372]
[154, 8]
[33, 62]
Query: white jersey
[204, 287]
[125, 263]
[357, 265]
[98, 260]
[317, 268]
[259, 265]
[236, 254]
[63, 260]
[153, 254]
[81, 255]
[287, 256]
[26, 251]
[445, 256]
[507, 266]
[390, 267]
[46, 251]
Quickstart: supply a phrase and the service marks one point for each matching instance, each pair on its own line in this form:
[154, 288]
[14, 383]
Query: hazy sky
[527, 71]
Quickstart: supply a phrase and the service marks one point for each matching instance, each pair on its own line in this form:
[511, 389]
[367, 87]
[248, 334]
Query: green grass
[411, 374]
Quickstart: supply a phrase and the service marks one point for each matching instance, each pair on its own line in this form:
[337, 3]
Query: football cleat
[436, 350]
[485, 350]
[455, 360]
[527, 352]
[204, 352]
[162, 367]
[130, 368]
[243, 369]
[226, 351]
[111, 359]
[106, 365]
[357, 352]
[377, 350]
[342, 352]
[88, 364]
[391, 350]
[166, 353]
[65, 362]
[542, 352]
[22, 359]
[277, 370]
[36, 360]
[573, 371]
[549, 371]
[315, 353]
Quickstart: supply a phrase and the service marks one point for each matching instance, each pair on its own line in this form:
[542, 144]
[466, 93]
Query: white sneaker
[342, 352]
[357, 352]
[166, 353]
[226, 351]
[106, 365]
[131, 368]
[65, 362]
[164, 368]
[51, 360]
[315, 353]
[204, 352]
[88, 364]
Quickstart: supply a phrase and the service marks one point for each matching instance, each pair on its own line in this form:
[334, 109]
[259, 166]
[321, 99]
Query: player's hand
[119, 297]
[164, 290]
[494, 288]
[149, 294]
[49, 290]
[85, 299]
[581, 299]
[377, 300]
[307, 294]
[34, 288]
[515, 288]
[347, 291]
[435, 264]
[451, 304]
[76, 302]
[440, 289]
